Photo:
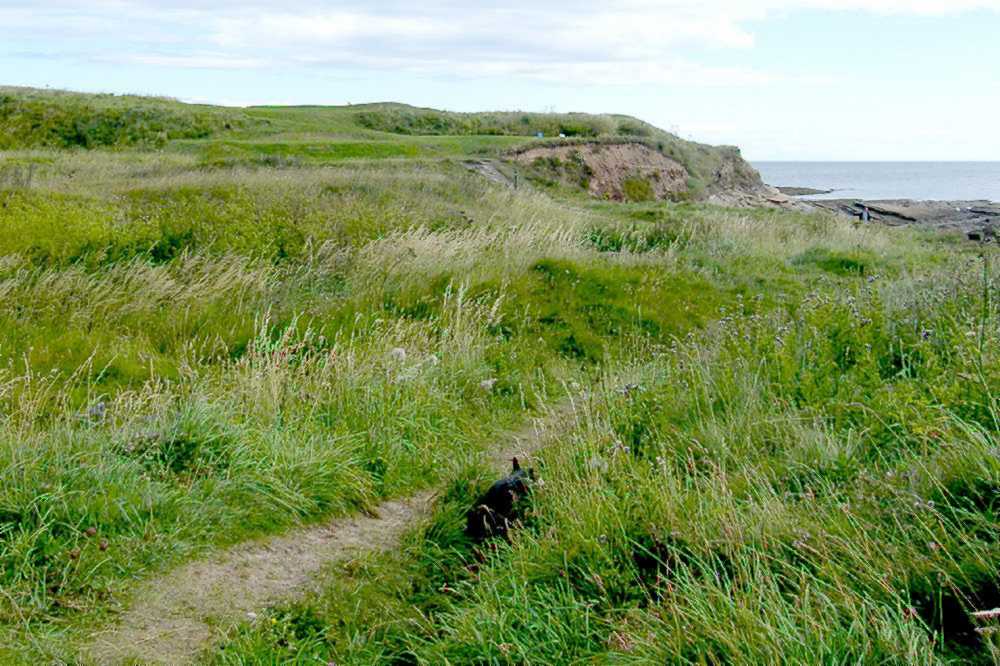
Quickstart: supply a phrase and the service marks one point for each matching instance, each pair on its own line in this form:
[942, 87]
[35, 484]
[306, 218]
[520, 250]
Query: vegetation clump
[33, 119]
[408, 120]
[637, 189]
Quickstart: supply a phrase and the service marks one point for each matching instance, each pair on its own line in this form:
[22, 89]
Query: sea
[943, 181]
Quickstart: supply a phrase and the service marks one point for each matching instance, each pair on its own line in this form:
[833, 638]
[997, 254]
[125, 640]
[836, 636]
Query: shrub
[637, 189]
[66, 120]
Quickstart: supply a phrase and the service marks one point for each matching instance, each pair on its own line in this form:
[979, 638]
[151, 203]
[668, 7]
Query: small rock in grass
[90, 531]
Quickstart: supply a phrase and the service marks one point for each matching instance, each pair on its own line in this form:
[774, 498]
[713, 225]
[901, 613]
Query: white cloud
[631, 41]
[204, 61]
[267, 30]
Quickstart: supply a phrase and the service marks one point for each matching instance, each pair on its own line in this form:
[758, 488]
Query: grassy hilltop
[295, 136]
[217, 324]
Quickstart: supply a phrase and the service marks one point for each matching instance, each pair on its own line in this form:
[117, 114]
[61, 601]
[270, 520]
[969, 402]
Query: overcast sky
[783, 79]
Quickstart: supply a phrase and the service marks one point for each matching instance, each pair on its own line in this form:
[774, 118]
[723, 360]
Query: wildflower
[629, 389]
[933, 546]
[398, 354]
[98, 412]
[487, 384]
[926, 334]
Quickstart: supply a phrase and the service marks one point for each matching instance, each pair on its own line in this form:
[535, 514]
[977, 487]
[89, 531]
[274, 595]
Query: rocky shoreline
[976, 220]
[802, 191]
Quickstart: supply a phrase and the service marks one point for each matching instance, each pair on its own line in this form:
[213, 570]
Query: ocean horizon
[942, 181]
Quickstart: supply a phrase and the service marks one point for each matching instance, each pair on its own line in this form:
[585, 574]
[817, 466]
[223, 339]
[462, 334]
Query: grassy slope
[283, 136]
[210, 341]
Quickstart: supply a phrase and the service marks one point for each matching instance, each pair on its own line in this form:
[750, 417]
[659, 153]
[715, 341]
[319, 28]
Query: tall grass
[193, 353]
[810, 487]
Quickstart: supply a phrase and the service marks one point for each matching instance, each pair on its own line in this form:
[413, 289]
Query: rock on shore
[977, 220]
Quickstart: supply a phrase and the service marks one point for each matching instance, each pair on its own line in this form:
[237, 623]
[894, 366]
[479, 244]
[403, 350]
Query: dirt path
[488, 169]
[176, 616]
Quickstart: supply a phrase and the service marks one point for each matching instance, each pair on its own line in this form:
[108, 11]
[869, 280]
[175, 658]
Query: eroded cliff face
[734, 182]
[631, 171]
[619, 172]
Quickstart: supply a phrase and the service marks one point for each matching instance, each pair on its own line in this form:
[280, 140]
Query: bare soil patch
[608, 168]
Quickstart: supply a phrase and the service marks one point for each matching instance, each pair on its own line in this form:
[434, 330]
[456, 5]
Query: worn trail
[176, 616]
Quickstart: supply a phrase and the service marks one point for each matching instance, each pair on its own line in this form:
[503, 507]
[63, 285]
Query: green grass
[201, 345]
[784, 490]
[290, 136]
[32, 118]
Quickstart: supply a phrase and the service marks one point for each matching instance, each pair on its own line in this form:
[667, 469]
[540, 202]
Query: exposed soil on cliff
[620, 172]
[635, 171]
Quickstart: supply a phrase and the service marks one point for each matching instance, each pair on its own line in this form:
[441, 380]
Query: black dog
[495, 512]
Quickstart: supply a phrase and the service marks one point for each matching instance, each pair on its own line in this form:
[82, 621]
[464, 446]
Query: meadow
[782, 432]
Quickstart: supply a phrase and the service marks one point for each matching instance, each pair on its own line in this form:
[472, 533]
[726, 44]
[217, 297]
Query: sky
[781, 79]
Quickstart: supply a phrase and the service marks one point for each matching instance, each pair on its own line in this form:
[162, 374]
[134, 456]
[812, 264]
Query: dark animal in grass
[496, 511]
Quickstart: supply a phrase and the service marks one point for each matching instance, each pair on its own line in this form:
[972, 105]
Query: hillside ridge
[225, 136]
